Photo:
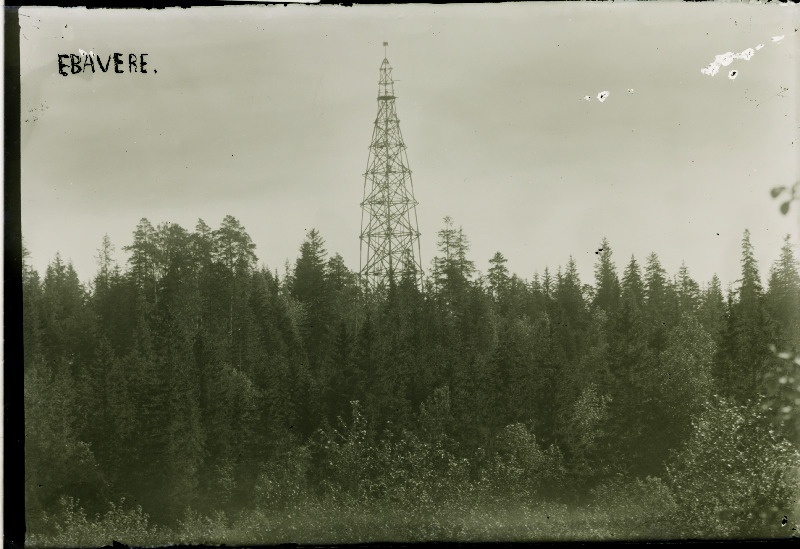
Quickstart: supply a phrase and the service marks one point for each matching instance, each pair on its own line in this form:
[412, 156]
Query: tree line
[193, 380]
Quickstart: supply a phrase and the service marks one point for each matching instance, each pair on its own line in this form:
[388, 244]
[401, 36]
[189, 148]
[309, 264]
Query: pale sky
[266, 113]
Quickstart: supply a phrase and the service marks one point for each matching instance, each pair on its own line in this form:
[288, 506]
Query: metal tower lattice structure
[389, 229]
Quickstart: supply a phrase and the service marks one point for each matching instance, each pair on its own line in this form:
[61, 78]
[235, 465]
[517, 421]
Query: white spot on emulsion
[602, 96]
[725, 59]
[759, 47]
[733, 74]
[630, 90]
[777, 38]
[587, 98]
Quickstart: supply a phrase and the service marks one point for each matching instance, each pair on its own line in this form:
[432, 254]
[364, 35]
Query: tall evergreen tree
[632, 285]
[660, 313]
[234, 252]
[466, 267]
[547, 283]
[67, 326]
[498, 276]
[31, 312]
[572, 314]
[446, 245]
[688, 291]
[744, 347]
[452, 270]
[143, 260]
[783, 299]
[711, 310]
[309, 286]
[105, 266]
[607, 289]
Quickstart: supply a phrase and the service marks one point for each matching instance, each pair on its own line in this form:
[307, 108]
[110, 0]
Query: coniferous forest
[192, 395]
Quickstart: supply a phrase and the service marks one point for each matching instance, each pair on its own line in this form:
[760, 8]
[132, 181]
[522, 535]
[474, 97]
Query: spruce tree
[711, 310]
[309, 286]
[632, 285]
[782, 300]
[607, 289]
[498, 276]
[740, 364]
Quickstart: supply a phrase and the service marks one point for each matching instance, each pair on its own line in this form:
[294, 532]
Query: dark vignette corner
[13, 424]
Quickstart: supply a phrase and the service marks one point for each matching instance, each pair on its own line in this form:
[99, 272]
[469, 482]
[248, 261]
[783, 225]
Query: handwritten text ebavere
[119, 63]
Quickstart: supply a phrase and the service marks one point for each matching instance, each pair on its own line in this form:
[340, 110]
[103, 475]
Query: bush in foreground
[72, 528]
[735, 477]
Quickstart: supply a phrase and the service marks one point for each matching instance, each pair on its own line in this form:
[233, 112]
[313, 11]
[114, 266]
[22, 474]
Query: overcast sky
[266, 113]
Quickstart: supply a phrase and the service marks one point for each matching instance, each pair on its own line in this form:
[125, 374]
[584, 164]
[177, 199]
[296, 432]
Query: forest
[192, 395]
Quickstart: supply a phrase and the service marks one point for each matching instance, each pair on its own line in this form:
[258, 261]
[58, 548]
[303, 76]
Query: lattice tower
[389, 229]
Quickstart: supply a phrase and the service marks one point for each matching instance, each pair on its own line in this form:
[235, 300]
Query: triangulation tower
[389, 230]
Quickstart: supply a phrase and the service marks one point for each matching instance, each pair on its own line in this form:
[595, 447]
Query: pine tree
[202, 245]
[233, 247]
[175, 262]
[143, 260]
[234, 253]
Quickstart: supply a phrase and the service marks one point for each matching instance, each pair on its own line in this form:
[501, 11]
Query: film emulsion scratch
[578, 320]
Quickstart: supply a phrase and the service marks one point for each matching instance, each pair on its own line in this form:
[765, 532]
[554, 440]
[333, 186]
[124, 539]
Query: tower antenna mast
[390, 247]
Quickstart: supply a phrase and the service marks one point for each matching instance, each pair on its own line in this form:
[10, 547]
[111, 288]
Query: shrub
[421, 475]
[208, 530]
[644, 508]
[282, 483]
[782, 384]
[73, 529]
[343, 458]
[414, 473]
[586, 433]
[522, 469]
[734, 477]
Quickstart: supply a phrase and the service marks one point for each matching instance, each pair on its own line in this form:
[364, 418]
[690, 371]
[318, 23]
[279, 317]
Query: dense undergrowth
[715, 487]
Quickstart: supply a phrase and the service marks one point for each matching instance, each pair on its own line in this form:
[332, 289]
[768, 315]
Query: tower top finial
[384, 49]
